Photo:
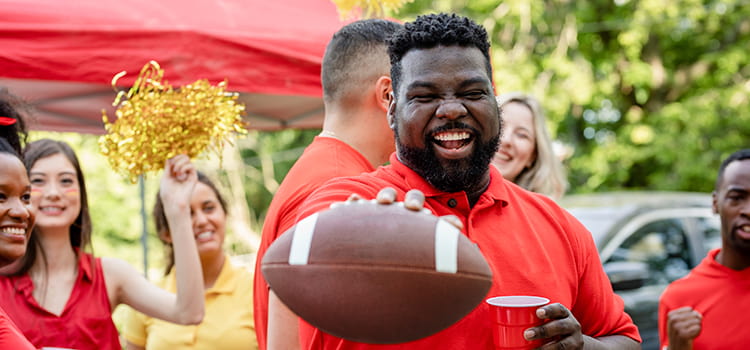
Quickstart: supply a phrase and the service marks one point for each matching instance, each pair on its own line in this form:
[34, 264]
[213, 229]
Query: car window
[662, 246]
[600, 221]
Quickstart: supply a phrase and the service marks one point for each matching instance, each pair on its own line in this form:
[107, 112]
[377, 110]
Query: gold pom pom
[370, 8]
[156, 122]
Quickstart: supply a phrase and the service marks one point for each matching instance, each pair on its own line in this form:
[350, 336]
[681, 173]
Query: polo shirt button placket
[452, 203]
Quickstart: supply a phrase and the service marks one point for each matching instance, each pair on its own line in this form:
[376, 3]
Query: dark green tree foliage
[645, 94]
[268, 156]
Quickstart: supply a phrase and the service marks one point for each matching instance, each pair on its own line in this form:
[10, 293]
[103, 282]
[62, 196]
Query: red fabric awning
[62, 55]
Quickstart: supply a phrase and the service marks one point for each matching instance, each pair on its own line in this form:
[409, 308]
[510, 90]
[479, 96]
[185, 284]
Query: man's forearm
[619, 342]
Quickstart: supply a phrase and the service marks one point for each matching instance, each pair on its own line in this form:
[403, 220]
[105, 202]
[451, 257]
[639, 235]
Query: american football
[375, 273]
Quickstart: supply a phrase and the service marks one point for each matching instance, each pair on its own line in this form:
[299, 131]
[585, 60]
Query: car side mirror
[626, 275]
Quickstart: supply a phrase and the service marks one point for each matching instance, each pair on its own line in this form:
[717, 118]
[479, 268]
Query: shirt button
[452, 203]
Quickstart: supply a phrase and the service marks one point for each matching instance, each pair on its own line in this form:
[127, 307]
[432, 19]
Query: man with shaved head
[704, 310]
[355, 139]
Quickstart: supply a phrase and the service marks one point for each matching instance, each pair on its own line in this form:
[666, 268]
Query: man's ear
[391, 112]
[715, 202]
[383, 92]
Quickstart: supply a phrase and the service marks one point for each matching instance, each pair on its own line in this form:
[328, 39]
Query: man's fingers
[683, 314]
[414, 200]
[691, 331]
[688, 328]
[561, 327]
[386, 196]
[683, 311]
[453, 220]
[353, 197]
[552, 311]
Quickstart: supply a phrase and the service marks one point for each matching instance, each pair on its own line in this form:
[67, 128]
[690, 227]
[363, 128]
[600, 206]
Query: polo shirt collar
[227, 281]
[496, 191]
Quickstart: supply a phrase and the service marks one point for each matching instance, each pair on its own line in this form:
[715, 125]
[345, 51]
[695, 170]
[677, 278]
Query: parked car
[647, 240]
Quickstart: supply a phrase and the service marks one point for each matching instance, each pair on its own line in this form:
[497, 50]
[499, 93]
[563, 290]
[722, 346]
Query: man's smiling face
[445, 116]
[731, 201]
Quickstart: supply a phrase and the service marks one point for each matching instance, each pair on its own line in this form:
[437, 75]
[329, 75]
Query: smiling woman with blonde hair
[525, 155]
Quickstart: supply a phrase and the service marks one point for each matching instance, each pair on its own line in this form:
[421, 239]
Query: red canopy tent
[61, 55]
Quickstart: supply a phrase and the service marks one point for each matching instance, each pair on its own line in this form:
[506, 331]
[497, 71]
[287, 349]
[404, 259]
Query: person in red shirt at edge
[703, 309]
[355, 137]
[16, 214]
[447, 126]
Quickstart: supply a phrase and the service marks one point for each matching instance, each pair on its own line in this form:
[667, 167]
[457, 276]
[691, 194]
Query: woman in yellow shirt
[228, 320]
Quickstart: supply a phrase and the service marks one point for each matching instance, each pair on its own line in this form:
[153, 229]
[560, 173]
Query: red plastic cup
[511, 316]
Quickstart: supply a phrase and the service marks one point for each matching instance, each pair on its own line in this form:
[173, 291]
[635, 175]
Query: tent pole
[144, 232]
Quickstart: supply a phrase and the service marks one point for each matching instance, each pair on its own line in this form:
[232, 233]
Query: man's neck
[365, 144]
[733, 259]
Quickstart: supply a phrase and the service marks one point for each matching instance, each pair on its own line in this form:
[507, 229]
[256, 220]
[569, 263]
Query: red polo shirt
[532, 245]
[84, 324]
[325, 159]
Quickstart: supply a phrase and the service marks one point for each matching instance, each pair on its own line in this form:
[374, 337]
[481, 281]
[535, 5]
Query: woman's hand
[177, 184]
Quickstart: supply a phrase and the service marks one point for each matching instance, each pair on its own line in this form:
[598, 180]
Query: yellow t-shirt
[227, 323]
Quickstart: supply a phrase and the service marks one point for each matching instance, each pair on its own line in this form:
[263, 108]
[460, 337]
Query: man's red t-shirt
[721, 295]
[532, 245]
[324, 159]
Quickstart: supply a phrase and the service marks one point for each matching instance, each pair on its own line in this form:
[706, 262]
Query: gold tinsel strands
[370, 8]
[156, 122]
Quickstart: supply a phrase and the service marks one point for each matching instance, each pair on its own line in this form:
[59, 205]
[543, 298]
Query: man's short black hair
[348, 50]
[742, 154]
[429, 31]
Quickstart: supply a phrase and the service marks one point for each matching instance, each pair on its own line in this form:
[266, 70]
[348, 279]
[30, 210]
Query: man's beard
[452, 175]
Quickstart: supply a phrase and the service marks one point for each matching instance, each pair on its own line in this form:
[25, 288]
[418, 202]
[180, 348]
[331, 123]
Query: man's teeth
[204, 235]
[452, 136]
[13, 230]
[745, 228]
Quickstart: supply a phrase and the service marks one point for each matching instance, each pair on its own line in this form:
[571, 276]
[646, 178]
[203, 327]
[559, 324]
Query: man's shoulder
[323, 160]
[384, 176]
[339, 189]
[528, 201]
[318, 164]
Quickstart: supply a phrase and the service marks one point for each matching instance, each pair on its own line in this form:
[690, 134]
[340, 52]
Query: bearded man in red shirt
[447, 126]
